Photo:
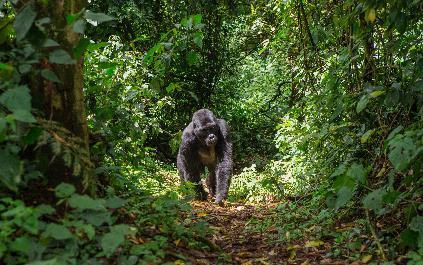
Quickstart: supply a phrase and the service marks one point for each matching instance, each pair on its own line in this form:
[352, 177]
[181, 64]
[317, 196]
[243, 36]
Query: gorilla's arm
[189, 168]
[224, 163]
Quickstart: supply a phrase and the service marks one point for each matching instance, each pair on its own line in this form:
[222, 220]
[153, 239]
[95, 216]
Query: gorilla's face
[205, 127]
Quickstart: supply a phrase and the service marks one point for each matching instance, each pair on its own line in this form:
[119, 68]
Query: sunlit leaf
[366, 136]
[97, 17]
[314, 243]
[361, 105]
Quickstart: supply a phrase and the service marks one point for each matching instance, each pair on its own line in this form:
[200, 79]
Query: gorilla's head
[205, 127]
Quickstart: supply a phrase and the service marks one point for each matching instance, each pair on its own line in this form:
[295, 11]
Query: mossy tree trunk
[64, 102]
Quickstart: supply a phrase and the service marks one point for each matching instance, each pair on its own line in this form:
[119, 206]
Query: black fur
[206, 143]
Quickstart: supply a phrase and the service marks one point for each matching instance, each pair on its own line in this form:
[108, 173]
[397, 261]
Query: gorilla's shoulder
[188, 133]
[224, 127]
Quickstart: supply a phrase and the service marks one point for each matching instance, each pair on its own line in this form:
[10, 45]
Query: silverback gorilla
[206, 143]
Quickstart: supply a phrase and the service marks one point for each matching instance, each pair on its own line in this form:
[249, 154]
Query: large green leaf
[58, 232]
[357, 172]
[11, 169]
[64, 190]
[24, 20]
[344, 181]
[49, 75]
[97, 218]
[374, 199]
[61, 57]
[361, 105]
[402, 152]
[84, 202]
[416, 224]
[16, 98]
[98, 17]
[23, 115]
[343, 196]
[79, 26]
[114, 238]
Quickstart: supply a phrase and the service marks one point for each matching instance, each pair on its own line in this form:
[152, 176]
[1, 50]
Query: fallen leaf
[177, 241]
[366, 258]
[314, 243]
[305, 262]
[291, 247]
[201, 214]
[247, 263]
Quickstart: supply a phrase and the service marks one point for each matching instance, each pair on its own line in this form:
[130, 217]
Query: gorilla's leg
[223, 175]
[193, 174]
[211, 181]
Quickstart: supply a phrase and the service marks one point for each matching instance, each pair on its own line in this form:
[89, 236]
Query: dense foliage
[324, 100]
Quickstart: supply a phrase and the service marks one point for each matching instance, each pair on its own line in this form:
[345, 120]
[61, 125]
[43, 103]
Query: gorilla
[206, 143]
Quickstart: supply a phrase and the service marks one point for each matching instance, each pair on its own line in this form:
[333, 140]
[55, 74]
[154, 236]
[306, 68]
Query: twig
[372, 230]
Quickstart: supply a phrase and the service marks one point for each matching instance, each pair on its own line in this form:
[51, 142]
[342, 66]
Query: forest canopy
[324, 101]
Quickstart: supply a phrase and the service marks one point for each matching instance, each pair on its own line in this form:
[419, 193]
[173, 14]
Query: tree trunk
[63, 103]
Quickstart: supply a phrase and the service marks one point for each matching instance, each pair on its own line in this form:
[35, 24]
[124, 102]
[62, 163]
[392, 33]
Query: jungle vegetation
[325, 104]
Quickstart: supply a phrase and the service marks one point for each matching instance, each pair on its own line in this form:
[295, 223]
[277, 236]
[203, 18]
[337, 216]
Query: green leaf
[11, 169]
[16, 98]
[409, 237]
[97, 17]
[402, 152]
[22, 244]
[344, 195]
[47, 262]
[192, 58]
[58, 232]
[88, 230]
[339, 170]
[79, 50]
[344, 181]
[114, 202]
[357, 172]
[97, 218]
[198, 39]
[366, 136]
[377, 93]
[43, 209]
[394, 132]
[197, 19]
[49, 75]
[61, 57]
[79, 26]
[84, 202]
[114, 238]
[416, 224]
[361, 105]
[64, 190]
[374, 199]
[24, 20]
[50, 43]
[24, 116]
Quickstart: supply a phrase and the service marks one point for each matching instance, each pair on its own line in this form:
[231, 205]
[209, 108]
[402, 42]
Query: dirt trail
[239, 245]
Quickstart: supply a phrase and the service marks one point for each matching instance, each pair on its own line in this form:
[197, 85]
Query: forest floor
[236, 243]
